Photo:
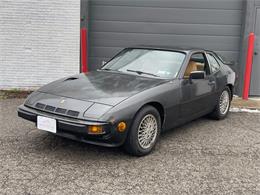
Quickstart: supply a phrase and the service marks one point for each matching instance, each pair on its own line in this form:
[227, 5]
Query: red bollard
[84, 52]
[249, 62]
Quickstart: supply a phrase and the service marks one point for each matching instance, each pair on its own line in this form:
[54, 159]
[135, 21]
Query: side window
[213, 63]
[197, 63]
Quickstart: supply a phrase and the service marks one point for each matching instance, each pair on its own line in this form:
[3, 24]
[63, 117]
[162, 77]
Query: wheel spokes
[147, 131]
[224, 102]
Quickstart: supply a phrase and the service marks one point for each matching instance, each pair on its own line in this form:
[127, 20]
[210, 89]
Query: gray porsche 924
[138, 94]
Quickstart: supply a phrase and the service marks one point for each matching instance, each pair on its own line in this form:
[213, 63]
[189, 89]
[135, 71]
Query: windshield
[147, 62]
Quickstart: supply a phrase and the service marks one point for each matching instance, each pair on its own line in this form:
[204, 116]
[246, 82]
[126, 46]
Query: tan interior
[200, 67]
[193, 66]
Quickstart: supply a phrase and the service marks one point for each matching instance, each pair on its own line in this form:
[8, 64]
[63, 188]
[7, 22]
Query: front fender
[167, 94]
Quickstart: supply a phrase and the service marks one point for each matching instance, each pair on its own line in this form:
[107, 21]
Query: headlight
[30, 100]
[96, 110]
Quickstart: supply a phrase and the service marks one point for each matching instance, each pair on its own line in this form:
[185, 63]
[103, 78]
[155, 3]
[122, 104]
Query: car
[138, 94]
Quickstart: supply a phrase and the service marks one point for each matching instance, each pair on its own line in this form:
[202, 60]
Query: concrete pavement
[202, 157]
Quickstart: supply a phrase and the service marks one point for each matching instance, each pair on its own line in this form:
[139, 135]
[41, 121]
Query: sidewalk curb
[247, 110]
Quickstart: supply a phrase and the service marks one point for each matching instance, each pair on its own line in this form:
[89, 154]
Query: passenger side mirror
[197, 75]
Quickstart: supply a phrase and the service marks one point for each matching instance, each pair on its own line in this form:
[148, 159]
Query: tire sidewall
[134, 130]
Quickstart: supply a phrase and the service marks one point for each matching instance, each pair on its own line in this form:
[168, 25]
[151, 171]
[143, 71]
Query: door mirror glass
[197, 75]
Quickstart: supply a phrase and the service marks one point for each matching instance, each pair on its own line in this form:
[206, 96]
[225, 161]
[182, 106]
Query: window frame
[206, 63]
[210, 66]
[148, 48]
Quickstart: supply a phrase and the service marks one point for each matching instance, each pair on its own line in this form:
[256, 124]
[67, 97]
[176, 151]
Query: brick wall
[39, 41]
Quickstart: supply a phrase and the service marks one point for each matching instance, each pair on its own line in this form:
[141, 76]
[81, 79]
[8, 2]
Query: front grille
[61, 111]
[72, 113]
[50, 108]
[40, 105]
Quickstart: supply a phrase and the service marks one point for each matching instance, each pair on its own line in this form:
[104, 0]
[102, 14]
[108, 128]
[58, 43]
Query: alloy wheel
[147, 131]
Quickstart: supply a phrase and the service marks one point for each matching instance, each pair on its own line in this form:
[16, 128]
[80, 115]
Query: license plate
[46, 124]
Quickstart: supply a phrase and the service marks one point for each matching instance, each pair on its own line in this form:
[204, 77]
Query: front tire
[144, 132]
[222, 108]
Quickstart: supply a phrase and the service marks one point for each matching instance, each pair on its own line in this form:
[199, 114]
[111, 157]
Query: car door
[197, 95]
[216, 75]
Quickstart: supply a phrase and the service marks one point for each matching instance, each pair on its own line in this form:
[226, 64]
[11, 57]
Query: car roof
[160, 47]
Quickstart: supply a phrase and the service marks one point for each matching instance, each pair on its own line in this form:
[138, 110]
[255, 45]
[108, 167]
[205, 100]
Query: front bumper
[77, 129]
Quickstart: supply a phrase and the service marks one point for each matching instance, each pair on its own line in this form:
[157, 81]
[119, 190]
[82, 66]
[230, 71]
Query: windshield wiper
[109, 69]
[141, 72]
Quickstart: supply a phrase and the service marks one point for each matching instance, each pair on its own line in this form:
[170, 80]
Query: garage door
[115, 24]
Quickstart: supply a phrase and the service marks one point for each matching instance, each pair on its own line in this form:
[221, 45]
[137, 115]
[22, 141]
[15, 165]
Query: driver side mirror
[197, 75]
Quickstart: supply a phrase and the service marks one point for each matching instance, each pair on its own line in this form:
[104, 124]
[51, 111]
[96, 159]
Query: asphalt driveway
[202, 157]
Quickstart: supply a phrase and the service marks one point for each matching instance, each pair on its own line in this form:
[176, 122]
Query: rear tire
[222, 108]
[144, 132]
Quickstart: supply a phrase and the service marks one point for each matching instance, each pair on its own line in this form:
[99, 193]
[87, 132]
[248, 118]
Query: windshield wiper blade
[141, 72]
[109, 69]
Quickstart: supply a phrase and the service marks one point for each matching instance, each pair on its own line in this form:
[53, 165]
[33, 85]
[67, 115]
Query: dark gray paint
[115, 24]
[100, 86]
[181, 99]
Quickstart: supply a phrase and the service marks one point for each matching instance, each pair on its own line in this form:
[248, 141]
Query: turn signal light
[121, 127]
[95, 129]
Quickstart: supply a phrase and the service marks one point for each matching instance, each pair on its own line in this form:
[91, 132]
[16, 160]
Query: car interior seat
[192, 66]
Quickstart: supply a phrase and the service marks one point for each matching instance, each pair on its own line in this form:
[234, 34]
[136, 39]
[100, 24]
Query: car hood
[101, 86]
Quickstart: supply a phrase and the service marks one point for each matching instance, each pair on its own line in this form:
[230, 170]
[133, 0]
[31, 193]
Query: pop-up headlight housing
[96, 110]
[31, 99]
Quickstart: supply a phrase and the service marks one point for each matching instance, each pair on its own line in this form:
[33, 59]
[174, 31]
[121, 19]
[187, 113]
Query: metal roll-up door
[115, 24]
